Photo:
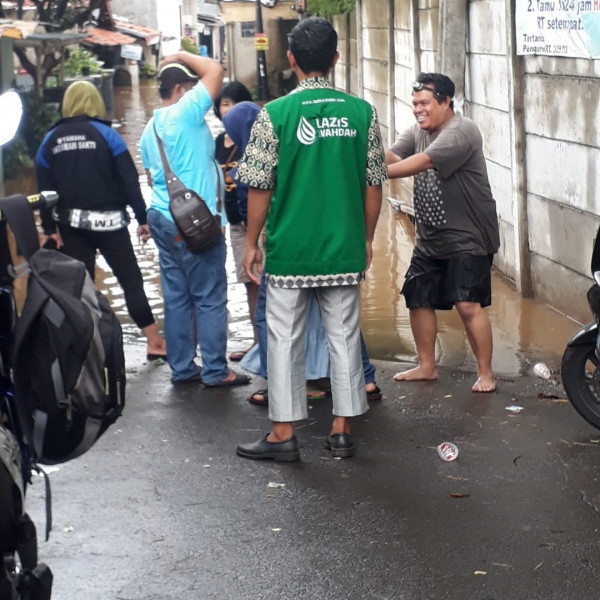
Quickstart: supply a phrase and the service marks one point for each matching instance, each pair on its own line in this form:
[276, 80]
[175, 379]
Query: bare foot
[313, 394]
[485, 384]
[417, 374]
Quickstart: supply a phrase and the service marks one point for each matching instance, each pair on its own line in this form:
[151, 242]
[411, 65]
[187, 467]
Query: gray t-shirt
[454, 208]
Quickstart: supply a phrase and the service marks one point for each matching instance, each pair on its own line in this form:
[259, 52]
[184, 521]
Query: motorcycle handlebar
[45, 199]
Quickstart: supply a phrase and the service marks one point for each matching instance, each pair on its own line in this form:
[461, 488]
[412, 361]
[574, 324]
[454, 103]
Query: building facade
[239, 17]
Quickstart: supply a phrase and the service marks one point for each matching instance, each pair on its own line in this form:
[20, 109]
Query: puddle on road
[524, 331]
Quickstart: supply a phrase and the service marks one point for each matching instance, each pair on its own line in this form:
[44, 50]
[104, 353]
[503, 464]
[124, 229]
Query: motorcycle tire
[580, 372]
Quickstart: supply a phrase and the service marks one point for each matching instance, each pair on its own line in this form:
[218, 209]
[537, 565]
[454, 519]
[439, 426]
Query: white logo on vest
[306, 132]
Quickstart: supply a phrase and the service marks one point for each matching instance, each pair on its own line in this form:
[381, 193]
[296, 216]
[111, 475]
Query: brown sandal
[264, 401]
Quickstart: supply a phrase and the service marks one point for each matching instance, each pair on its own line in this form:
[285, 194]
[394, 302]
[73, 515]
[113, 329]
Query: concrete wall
[142, 12]
[277, 21]
[539, 118]
[164, 15]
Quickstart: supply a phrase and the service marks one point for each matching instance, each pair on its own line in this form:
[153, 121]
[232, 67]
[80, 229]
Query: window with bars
[247, 29]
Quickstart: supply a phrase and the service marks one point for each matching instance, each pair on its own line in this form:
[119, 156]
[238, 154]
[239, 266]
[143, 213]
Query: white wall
[543, 159]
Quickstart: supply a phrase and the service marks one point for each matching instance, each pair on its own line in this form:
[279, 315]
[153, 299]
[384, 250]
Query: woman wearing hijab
[88, 164]
[228, 153]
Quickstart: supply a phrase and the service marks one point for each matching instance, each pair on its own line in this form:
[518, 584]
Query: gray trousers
[286, 317]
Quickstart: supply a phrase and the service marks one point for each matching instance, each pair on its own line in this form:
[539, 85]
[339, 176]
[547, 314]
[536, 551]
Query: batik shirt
[317, 149]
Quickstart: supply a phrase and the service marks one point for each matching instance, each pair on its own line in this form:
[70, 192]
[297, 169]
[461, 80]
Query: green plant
[81, 62]
[37, 120]
[16, 157]
[189, 46]
[328, 8]
[147, 70]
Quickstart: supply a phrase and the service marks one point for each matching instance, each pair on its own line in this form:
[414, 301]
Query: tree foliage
[57, 15]
[329, 8]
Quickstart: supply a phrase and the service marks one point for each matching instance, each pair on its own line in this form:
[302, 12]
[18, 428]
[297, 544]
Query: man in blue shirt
[194, 285]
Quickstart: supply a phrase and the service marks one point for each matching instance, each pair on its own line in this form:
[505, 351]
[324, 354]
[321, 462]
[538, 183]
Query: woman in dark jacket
[228, 152]
[88, 164]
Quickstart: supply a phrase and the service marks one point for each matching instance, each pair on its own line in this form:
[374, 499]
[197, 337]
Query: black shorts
[441, 283]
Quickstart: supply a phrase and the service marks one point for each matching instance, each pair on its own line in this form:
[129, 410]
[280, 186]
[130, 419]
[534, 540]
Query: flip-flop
[374, 395]
[239, 379]
[265, 398]
[193, 379]
[316, 394]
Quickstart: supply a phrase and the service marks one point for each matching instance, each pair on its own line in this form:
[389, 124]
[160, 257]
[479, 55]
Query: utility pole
[261, 41]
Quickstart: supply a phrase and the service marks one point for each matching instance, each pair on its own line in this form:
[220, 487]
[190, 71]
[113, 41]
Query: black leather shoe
[283, 451]
[340, 444]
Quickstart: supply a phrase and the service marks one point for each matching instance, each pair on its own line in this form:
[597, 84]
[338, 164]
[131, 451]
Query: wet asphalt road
[161, 507]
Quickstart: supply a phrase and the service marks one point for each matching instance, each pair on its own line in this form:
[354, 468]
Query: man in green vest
[315, 166]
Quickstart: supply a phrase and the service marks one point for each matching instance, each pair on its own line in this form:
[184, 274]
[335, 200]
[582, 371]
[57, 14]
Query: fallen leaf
[561, 401]
[458, 495]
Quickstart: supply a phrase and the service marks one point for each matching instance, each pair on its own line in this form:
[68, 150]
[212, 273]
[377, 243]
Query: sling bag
[198, 227]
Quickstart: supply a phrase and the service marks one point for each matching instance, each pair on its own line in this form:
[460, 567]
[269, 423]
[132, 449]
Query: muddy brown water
[525, 331]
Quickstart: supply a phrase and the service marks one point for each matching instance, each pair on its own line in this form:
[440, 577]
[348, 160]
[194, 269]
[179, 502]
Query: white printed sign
[558, 27]
[131, 51]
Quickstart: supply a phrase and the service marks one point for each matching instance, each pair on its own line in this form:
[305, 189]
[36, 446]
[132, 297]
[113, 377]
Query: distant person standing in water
[194, 285]
[315, 166]
[457, 226]
[88, 164]
[228, 153]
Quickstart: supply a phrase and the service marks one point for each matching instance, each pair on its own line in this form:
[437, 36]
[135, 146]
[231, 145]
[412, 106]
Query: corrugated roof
[104, 37]
[149, 35]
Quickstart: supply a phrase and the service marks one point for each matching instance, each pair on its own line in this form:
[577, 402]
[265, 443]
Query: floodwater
[524, 331]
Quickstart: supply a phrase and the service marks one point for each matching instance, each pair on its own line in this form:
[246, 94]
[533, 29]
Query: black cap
[173, 73]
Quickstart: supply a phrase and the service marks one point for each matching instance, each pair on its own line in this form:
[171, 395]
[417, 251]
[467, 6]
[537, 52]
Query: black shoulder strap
[163, 157]
[174, 185]
[17, 211]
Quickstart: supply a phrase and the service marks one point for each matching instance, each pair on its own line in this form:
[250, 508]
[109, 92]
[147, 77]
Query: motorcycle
[21, 576]
[580, 369]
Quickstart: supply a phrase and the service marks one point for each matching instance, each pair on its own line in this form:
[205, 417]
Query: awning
[210, 20]
[103, 37]
[17, 30]
[49, 41]
[150, 36]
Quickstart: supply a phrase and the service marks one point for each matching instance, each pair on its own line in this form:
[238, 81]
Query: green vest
[316, 221]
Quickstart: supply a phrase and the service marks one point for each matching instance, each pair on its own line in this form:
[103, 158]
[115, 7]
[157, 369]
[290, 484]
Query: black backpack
[67, 357]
